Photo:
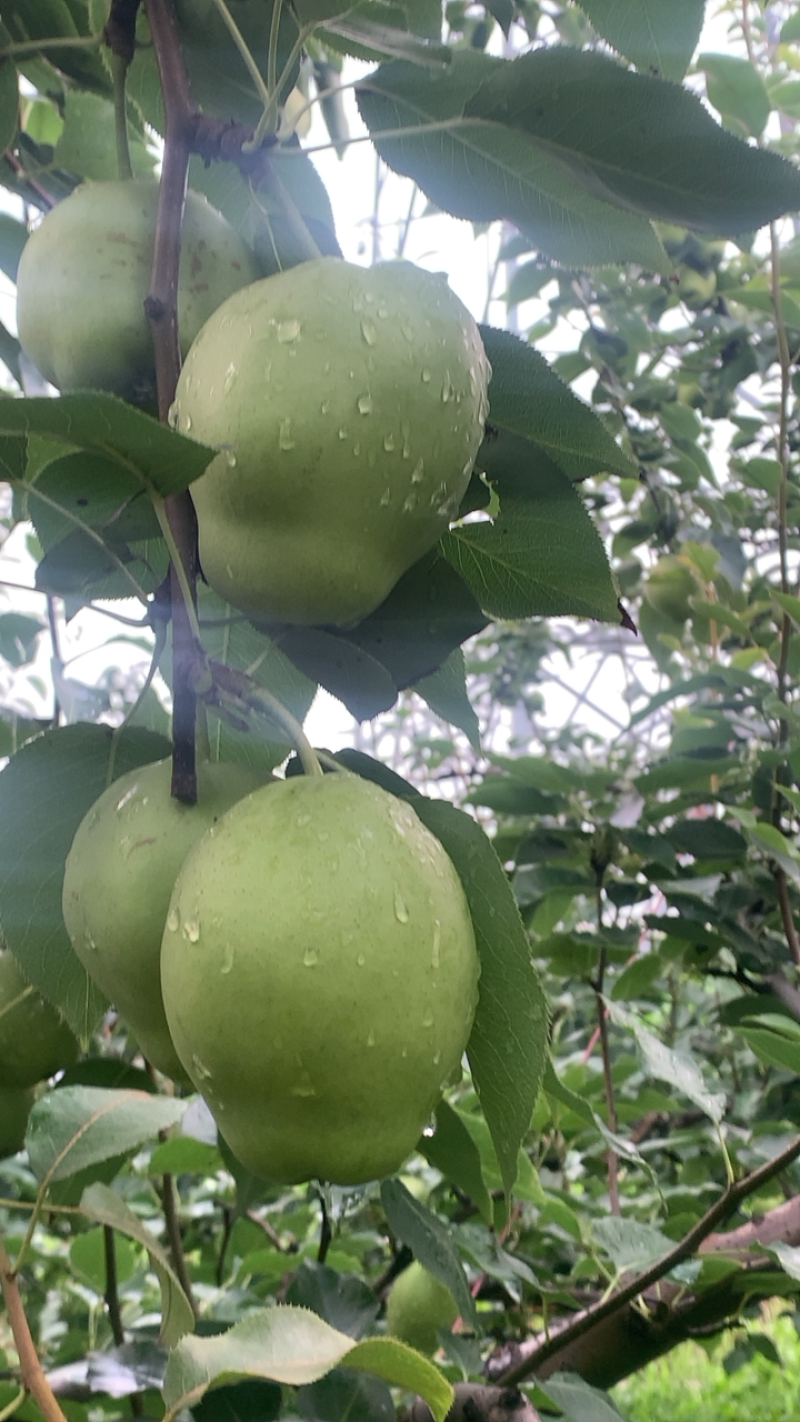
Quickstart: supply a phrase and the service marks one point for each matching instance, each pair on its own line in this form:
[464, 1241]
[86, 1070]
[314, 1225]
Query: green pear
[34, 1041]
[418, 1304]
[347, 404]
[15, 1108]
[85, 272]
[118, 880]
[320, 975]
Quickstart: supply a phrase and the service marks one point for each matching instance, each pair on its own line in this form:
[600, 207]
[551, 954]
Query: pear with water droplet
[354, 422]
[117, 884]
[417, 1305]
[34, 1041]
[300, 981]
[85, 272]
[15, 1108]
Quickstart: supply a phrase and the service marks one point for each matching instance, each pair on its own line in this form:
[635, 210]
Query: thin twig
[31, 1371]
[169, 1204]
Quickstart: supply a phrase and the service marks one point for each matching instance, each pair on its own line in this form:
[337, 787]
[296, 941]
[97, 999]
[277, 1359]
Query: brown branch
[478, 1403]
[161, 307]
[169, 1205]
[787, 918]
[530, 1357]
[111, 1294]
[31, 1371]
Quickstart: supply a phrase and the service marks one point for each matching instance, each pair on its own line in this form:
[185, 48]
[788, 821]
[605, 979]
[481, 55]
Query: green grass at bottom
[688, 1385]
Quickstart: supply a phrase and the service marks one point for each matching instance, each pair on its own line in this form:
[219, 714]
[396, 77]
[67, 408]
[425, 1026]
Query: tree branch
[32, 1373]
[477, 1403]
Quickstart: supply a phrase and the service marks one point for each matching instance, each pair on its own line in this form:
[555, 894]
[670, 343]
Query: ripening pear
[347, 404]
[34, 1041]
[417, 1305]
[118, 880]
[320, 977]
[85, 272]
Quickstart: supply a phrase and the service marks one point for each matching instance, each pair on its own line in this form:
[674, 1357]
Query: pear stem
[287, 722]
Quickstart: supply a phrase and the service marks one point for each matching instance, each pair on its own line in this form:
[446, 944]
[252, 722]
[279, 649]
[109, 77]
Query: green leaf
[445, 691]
[453, 1151]
[9, 103]
[160, 458]
[88, 145]
[481, 166]
[343, 1300]
[184, 1153]
[45, 790]
[18, 637]
[292, 1345]
[773, 1048]
[430, 1242]
[542, 556]
[381, 38]
[642, 142]
[345, 1396]
[508, 1046]
[679, 1069]
[578, 1401]
[107, 1208]
[737, 90]
[630, 1244]
[13, 236]
[529, 398]
[77, 1126]
[652, 35]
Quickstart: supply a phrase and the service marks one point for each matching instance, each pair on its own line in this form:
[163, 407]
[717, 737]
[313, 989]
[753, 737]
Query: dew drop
[426, 375]
[172, 416]
[356, 449]
[427, 1020]
[285, 440]
[371, 1037]
[227, 959]
[404, 1052]
[288, 331]
[447, 388]
[310, 958]
[410, 503]
[418, 472]
[200, 1068]
[369, 331]
[400, 910]
[342, 432]
[173, 920]
[437, 1057]
[386, 498]
[230, 459]
[191, 930]
[126, 798]
[185, 422]
[361, 960]
[430, 1129]
[388, 443]
[304, 1087]
[303, 820]
[383, 312]
[88, 942]
[364, 403]
[230, 379]
[325, 407]
[437, 943]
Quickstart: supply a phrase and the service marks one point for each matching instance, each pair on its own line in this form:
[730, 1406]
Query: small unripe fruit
[416, 1306]
[320, 975]
[347, 404]
[85, 272]
[15, 1108]
[34, 1041]
[118, 879]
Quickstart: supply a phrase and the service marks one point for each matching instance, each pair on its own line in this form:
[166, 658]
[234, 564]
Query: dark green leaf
[250, 1401]
[641, 142]
[577, 1401]
[481, 166]
[508, 1046]
[430, 1242]
[453, 1151]
[707, 839]
[542, 556]
[344, 1396]
[527, 397]
[9, 104]
[88, 144]
[343, 1300]
[652, 35]
[13, 236]
[445, 691]
[18, 637]
[160, 458]
[358, 680]
[45, 791]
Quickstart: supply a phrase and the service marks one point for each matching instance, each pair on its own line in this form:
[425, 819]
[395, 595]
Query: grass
[689, 1385]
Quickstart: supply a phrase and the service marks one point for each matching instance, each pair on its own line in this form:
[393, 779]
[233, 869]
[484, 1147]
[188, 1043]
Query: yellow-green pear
[34, 1041]
[320, 977]
[347, 404]
[15, 1108]
[85, 272]
[118, 879]
[416, 1306]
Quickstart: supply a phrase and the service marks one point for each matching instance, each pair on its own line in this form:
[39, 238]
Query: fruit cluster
[34, 1044]
[305, 958]
[347, 404]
